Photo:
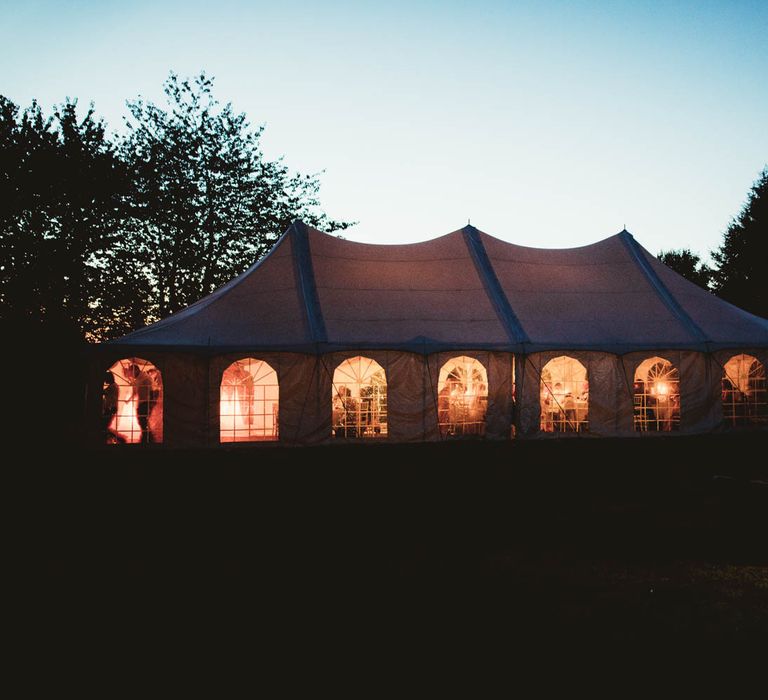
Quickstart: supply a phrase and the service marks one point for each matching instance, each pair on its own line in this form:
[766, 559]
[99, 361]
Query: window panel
[132, 402]
[656, 396]
[462, 397]
[249, 402]
[744, 396]
[564, 396]
[359, 399]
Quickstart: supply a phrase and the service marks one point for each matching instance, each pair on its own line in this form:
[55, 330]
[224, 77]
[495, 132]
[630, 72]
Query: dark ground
[659, 541]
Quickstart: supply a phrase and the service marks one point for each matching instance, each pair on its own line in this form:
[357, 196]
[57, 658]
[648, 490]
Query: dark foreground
[662, 541]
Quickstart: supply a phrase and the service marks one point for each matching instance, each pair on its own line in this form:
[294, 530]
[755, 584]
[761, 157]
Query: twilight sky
[547, 123]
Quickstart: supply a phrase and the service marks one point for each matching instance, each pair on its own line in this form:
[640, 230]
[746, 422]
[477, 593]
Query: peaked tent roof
[315, 292]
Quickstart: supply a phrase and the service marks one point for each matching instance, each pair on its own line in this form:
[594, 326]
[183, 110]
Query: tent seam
[493, 288]
[305, 277]
[661, 290]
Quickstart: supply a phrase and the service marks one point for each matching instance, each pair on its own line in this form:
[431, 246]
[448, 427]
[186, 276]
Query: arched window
[359, 396]
[564, 396]
[132, 402]
[656, 396]
[745, 400]
[248, 402]
[462, 397]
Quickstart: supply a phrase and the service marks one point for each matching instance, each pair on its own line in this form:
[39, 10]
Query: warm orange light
[248, 402]
[462, 396]
[565, 391]
[359, 399]
[125, 422]
[138, 400]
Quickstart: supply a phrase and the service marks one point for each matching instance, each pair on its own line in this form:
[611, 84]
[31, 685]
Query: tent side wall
[501, 388]
[301, 416]
[607, 393]
[185, 400]
[500, 367]
[412, 385]
[611, 380]
[718, 361]
[192, 398]
[412, 414]
[185, 405]
[699, 387]
[192, 383]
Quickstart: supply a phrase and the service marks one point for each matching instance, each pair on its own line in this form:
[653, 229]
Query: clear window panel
[744, 396]
[359, 399]
[462, 397]
[249, 402]
[132, 402]
[656, 396]
[564, 396]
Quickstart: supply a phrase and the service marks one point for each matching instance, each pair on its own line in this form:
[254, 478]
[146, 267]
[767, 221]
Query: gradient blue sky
[547, 123]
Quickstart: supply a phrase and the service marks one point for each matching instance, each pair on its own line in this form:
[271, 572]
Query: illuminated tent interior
[464, 336]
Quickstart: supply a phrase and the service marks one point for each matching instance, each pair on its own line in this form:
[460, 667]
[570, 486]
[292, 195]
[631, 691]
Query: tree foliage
[112, 232]
[689, 265]
[740, 262]
[62, 188]
[206, 201]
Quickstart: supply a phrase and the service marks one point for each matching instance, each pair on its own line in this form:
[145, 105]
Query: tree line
[109, 232]
[739, 273]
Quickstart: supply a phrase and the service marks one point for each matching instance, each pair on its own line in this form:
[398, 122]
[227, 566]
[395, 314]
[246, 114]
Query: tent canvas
[316, 300]
[316, 292]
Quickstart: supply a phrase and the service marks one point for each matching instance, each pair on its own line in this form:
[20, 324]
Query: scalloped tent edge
[315, 293]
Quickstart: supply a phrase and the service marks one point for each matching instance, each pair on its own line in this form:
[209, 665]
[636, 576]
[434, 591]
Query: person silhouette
[110, 396]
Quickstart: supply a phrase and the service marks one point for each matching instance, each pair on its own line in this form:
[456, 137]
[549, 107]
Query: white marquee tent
[462, 335]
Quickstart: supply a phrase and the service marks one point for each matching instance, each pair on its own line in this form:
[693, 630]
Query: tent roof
[315, 292]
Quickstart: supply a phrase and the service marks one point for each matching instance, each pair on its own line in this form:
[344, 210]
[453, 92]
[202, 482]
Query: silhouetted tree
[206, 202]
[740, 273]
[110, 233]
[689, 265]
[62, 190]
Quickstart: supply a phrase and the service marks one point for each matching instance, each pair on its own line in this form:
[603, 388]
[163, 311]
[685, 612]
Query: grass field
[623, 541]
